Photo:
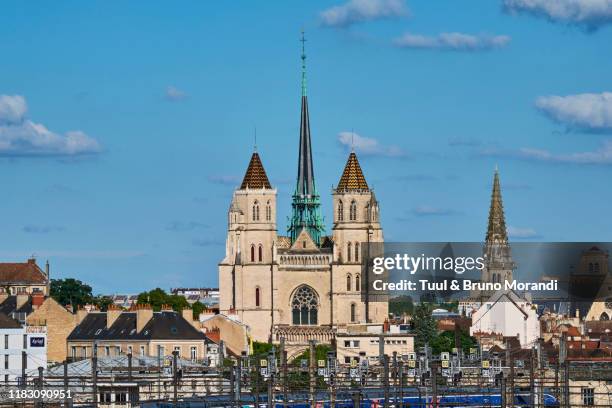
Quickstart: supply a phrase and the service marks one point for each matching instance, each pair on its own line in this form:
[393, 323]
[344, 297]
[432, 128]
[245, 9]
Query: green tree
[425, 326]
[158, 297]
[400, 305]
[71, 291]
[198, 307]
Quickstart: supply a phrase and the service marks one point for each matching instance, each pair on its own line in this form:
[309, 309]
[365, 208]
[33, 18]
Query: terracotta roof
[26, 273]
[352, 177]
[255, 176]
[573, 331]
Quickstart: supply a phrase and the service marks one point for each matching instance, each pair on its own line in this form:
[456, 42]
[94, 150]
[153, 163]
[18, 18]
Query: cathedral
[303, 284]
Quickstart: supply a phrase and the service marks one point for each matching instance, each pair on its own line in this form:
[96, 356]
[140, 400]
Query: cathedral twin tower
[304, 284]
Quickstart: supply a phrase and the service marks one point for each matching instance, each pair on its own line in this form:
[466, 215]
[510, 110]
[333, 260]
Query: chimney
[21, 300]
[188, 315]
[112, 313]
[37, 300]
[144, 313]
[81, 314]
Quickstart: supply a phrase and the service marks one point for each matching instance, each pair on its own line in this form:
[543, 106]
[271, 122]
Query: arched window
[356, 251]
[252, 253]
[260, 253]
[268, 212]
[353, 313]
[340, 211]
[590, 267]
[366, 212]
[305, 306]
[357, 283]
[256, 211]
[353, 211]
[348, 252]
[257, 297]
[348, 283]
[604, 317]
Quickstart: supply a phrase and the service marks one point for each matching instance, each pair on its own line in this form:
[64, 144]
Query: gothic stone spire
[496, 231]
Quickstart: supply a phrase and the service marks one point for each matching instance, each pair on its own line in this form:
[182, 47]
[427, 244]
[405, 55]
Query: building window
[268, 212]
[73, 351]
[106, 397]
[25, 341]
[304, 306]
[84, 352]
[588, 396]
[177, 349]
[121, 397]
[340, 211]
[118, 350]
[348, 252]
[348, 283]
[356, 252]
[142, 351]
[6, 361]
[6, 341]
[130, 350]
[604, 317]
[106, 351]
[194, 353]
[252, 253]
[353, 211]
[353, 313]
[357, 283]
[260, 253]
[257, 297]
[256, 211]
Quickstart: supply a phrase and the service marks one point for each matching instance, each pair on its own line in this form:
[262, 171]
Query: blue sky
[124, 127]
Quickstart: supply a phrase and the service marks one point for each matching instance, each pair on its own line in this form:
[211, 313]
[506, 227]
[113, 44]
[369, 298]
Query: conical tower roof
[352, 178]
[255, 176]
[496, 230]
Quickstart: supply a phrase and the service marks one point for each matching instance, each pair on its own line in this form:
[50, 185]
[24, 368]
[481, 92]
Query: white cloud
[521, 233]
[452, 42]
[426, 210]
[20, 136]
[174, 94]
[357, 11]
[368, 146]
[590, 111]
[589, 13]
[600, 156]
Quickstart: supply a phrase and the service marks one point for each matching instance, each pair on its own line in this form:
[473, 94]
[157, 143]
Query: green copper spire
[306, 211]
[303, 40]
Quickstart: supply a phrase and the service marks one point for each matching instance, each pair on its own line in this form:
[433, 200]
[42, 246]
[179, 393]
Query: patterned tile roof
[23, 273]
[352, 177]
[255, 177]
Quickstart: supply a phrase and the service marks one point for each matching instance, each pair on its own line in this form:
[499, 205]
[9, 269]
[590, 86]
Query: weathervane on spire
[303, 41]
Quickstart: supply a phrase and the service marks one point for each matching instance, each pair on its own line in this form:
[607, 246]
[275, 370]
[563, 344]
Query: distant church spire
[496, 230]
[306, 204]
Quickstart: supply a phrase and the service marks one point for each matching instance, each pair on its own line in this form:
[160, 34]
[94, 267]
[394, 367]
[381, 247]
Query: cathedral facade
[303, 284]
